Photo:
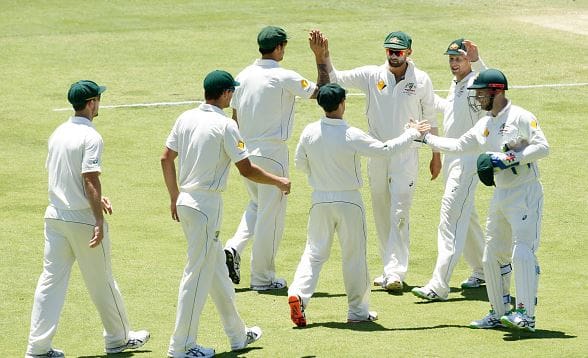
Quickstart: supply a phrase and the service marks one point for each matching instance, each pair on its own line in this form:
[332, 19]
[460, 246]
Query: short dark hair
[265, 51]
[79, 106]
[214, 93]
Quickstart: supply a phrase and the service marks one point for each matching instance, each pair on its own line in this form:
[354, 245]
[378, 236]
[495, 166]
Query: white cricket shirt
[514, 127]
[329, 152]
[264, 100]
[75, 147]
[206, 142]
[390, 105]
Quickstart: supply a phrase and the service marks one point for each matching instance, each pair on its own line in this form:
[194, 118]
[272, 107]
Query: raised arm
[319, 45]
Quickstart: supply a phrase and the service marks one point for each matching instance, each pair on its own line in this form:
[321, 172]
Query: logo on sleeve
[534, 124]
[486, 132]
[381, 85]
[304, 83]
[241, 145]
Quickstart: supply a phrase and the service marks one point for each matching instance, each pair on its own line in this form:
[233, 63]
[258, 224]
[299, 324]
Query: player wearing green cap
[263, 105]
[512, 139]
[396, 92]
[459, 227]
[205, 142]
[329, 152]
[75, 230]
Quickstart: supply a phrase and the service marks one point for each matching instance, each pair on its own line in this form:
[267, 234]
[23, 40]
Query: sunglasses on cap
[397, 53]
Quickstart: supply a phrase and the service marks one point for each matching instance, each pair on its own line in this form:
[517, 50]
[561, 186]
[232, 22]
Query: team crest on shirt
[241, 145]
[486, 132]
[409, 89]
[381, 85]
[304, 83]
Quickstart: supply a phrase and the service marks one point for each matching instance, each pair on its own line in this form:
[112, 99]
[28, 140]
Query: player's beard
[488, 105]
[396, 62]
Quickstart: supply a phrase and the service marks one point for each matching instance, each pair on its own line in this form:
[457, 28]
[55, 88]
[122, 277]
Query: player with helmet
[459, 228]
[512, 142]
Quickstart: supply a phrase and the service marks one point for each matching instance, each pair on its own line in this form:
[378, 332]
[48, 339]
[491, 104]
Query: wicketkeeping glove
[503, 161]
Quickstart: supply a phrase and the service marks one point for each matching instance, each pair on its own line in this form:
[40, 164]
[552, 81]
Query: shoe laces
[197, 351]
[251, 336]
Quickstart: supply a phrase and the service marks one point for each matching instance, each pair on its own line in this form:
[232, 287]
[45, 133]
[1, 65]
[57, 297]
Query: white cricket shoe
[379, 281]
[136, 340]
[372, 316]
[472, 282]
[253, 334]
[277, 284]
[392, 284]
[490, 321]
[194, 352]
[518, 319]
[427, 293]
[51, 353]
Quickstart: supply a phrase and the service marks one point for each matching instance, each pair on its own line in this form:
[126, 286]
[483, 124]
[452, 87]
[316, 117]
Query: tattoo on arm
[323, 78]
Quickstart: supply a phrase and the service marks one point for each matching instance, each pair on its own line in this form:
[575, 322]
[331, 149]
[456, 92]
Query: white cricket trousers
[67, 235]
[392, 185]
[459, 227]
[205, 272]
[265, 214]
[512, 233]
[341, 212]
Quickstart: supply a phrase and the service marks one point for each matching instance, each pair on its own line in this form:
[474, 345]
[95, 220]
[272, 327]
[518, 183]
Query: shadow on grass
[239, 353]
[137, 353]
[374, 327]
[538, 334]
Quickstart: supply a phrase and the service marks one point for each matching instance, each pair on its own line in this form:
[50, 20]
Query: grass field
[159, 51]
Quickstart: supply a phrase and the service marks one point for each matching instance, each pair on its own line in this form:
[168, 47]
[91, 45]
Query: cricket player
[206, 142]
[395, 92]
[75, 229]
[513, 142]
[329, 153]
[264, 108]
[459, 227]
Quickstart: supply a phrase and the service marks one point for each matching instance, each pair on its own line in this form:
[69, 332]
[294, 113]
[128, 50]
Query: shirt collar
[506, 108]
[266, 63]
[81, 120]
[334, 121]
[210, 108]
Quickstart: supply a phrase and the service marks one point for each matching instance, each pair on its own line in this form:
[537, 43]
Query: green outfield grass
[159, 51]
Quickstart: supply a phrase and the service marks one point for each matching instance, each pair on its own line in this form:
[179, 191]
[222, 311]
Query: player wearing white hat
[513, 142]
[395, 92]
[75, 230]
[264, 108]
[329, 152]
[459, 227]
[206, 142]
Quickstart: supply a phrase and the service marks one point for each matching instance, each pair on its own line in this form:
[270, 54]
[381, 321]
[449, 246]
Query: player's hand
[471, 52]
[502, 161]
[98, 235]
[435, 165]
[106, 205]
[318, 44]
[423, 127]
[174, 210]
[284, 185]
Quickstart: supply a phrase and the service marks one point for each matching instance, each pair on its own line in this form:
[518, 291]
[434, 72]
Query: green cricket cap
[455, 46]
[81, 91]
[490, 78]
[219, 80]
[271, 36]
[398, 40]
[485, 169]
[329, 96]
